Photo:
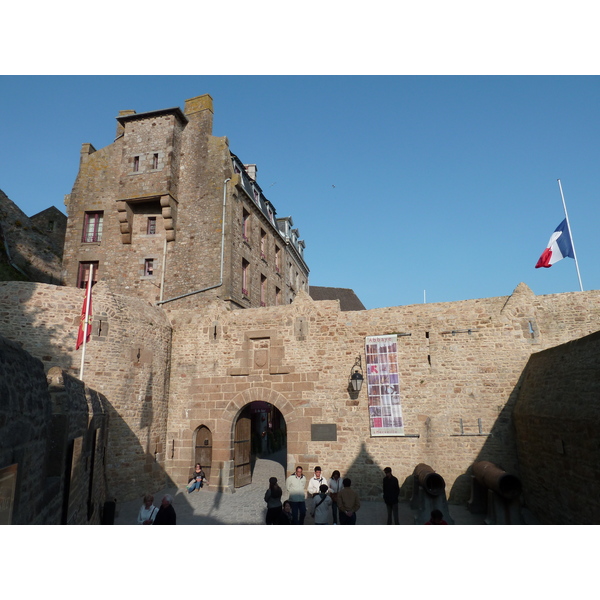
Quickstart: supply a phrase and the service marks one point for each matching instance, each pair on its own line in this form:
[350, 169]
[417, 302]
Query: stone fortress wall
[460, 367]
[164, 373]
[127, 361]
[52, 444]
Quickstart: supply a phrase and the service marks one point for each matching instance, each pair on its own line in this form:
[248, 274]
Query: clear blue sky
[398, 184]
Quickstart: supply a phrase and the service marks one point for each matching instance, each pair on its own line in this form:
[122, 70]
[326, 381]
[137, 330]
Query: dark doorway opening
[260, 432]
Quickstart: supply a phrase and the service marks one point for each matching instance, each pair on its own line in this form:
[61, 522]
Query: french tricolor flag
[559, 247]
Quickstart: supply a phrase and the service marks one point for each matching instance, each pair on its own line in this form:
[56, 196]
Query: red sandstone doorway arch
[247, 413]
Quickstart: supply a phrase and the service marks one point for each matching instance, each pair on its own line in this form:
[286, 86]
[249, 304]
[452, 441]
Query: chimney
[123, 113]
[251, 170]
[200, 109]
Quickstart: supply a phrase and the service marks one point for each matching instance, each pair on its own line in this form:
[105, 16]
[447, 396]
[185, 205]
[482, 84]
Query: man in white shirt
[314, 485]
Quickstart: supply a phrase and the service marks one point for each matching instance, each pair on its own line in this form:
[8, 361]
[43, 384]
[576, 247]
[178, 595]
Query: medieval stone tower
[166, 212]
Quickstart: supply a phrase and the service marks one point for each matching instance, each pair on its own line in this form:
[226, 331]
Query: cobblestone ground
[247, 507]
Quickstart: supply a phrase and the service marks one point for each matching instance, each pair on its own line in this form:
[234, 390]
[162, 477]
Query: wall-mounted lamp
[356, 377]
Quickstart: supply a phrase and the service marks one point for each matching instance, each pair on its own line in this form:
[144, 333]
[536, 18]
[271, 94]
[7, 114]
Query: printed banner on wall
[383, 382]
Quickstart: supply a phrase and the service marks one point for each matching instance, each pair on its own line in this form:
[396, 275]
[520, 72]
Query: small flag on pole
[86, 318]
[560, 246]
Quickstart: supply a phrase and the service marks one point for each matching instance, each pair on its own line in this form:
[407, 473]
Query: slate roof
[348, 299]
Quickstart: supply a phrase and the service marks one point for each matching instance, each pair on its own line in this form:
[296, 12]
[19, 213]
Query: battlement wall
[127, 361]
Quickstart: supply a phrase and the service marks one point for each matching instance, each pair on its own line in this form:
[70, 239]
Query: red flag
[82, 322]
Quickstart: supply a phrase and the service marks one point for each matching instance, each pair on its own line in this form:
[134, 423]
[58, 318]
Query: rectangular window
[263, 290]
[277, 296]
[148, 267]
[92, 227]
[245, 224]
[136, 164]
[155, 161]
[245, 279]
[83, 274]
[151, 227]
[263, 244]
[278, 259]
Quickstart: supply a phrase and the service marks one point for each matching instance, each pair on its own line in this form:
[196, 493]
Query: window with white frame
[92, 227]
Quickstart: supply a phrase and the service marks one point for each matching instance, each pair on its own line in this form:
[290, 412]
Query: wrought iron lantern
[356, 377]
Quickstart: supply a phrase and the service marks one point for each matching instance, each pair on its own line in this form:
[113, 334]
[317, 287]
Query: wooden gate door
[241, 452]
[203, 454]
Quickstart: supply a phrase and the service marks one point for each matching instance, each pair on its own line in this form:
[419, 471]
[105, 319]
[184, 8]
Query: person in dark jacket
[166, 512]
[273, 500]
[391, 491]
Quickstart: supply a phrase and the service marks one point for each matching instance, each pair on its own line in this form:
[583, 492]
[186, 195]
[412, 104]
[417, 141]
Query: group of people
[164, 515]
[335, 495]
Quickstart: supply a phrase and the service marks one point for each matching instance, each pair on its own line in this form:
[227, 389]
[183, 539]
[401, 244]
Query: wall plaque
[324, 432]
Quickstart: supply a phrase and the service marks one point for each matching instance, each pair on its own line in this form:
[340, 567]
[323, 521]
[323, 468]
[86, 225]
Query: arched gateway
[259, 426]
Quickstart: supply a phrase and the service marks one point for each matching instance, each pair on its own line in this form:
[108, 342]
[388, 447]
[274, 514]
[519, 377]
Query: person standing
[166, 512]
[391, 492]
[348, 503]
[321, 507]
[335, 487]
[314, 486]
[295, 485]
[273, 500]
[148, 511]
[315, 483]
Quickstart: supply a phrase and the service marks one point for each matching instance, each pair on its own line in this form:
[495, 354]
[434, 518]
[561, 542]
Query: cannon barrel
[430, 481]
[494, 478]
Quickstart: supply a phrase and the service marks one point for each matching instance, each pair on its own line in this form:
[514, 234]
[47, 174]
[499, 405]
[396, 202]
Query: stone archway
[260, 421]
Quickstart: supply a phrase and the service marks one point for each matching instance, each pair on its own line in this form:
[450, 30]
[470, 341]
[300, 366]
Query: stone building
[30, 247]
[167, 212]
[181, 378]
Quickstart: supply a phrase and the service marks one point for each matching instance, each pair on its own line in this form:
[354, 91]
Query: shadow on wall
[365, 463]
[52, 442]
[130, 461]
[500, 448]
[23, 321]
[26, 252]
[557, 417]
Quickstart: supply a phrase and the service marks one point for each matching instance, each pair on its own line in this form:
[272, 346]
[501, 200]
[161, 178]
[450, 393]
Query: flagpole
[571, 234]
[88, 298]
